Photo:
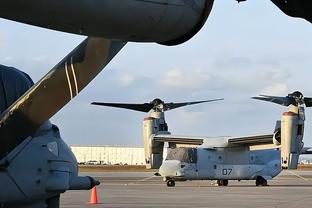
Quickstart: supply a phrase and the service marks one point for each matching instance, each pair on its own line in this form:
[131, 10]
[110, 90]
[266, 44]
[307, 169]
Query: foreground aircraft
[294, 8]
[168, 22]
[259, 157]
[36, 165]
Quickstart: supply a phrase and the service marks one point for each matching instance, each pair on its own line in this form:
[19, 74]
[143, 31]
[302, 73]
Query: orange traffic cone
[93, 198]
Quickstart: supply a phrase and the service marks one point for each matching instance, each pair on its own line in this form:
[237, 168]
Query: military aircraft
[257, 157]
[294, 8]
[166, 22]
[36, 165]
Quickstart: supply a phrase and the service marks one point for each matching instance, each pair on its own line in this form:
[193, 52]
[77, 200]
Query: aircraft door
[190, 166]
[206, 163]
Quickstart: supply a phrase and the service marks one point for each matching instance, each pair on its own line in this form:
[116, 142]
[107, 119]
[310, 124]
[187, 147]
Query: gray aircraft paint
[35, 163]
[225, 164]
[168, 22]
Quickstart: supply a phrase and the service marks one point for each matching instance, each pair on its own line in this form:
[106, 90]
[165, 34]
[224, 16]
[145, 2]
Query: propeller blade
[308, 101]
[145, 107]
[170, 106]
[55, 90]
[274, 99]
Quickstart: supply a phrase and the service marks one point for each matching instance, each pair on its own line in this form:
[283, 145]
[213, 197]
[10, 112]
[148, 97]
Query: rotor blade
[274, 99]
[308, 101]
[145, 107]
[55, 90]
[170, 106]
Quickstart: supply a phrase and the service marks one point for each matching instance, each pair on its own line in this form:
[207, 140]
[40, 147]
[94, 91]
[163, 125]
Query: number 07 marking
[227, 171]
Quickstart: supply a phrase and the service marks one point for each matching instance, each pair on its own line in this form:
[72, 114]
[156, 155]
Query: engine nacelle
[164, 21]
[154, 150]
[291, 139]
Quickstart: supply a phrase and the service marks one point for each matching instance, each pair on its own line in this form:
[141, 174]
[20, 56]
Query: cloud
[182, 79]
[126, 79]
[275, 89]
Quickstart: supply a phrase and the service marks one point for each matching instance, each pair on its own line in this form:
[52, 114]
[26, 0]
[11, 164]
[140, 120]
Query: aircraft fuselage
[168, 22]
[225, 164]
[37, 171]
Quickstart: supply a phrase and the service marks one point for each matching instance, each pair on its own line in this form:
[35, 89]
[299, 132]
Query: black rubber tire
[222, 182]
[171, 183]
[260, 181]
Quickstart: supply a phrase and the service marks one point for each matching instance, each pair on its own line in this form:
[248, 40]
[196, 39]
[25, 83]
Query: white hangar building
[109, 155]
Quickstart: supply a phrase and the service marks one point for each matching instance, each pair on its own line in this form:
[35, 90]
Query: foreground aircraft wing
[179, 139]
[55, 90]
[251, 140]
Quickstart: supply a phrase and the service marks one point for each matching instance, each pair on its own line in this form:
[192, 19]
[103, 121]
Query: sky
[243, 50]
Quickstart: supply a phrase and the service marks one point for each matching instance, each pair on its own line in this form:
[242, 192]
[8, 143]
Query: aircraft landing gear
[170, 183]
[260, 181]
[222, 182]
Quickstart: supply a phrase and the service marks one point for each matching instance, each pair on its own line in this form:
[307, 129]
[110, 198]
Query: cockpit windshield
[182, 154]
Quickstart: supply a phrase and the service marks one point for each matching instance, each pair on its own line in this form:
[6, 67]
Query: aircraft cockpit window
[188, 155]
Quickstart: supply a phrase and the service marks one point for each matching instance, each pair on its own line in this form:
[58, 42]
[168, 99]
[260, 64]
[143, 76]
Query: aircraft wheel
[260, 181]
[171, 183]
[222, 182]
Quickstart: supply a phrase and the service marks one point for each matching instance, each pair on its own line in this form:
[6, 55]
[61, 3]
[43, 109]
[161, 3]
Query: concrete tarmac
[289, 189]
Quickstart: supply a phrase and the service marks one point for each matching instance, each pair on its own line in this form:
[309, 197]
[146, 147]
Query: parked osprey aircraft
[226, 158]
[36, 166]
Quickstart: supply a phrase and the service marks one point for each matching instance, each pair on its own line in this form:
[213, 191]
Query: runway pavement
[290, 189]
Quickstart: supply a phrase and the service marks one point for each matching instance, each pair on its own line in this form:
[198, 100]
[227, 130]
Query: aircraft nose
[170, 168]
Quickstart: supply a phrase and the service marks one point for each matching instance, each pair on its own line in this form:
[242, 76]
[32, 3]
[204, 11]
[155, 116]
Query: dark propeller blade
[145, 107]
[157, 104]
[274, 99]
[170, 106]
[296, 98]
[55, 90]
[296, 8]
[308, 101]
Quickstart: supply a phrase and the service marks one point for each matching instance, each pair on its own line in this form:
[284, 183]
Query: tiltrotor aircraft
[36, 166]
[259, 157]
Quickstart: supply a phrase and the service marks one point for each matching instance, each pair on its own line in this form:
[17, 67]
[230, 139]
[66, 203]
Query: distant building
[109, 155]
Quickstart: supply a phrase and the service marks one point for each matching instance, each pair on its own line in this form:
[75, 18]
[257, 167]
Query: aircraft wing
[251, 140]
[306, 151]
[55, 90]
[236, 141]
[179, 139]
